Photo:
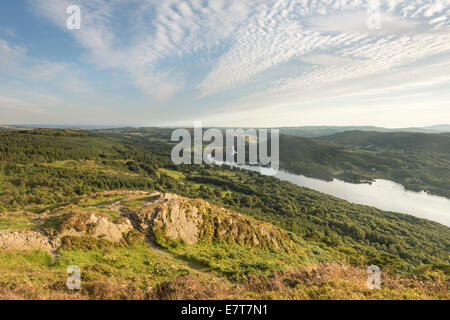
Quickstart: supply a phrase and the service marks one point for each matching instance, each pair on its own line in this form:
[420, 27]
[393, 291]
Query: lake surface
[381, 194]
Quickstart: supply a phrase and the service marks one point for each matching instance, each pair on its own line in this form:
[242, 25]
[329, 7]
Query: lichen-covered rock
[156, 215]
[191, 220]
[95, 225]
[26, 240]
[171, 215]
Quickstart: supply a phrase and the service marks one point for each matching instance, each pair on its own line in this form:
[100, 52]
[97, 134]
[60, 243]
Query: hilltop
[143, 245]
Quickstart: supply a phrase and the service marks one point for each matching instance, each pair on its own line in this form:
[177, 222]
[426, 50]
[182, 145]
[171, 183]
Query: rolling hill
[320, 131]
[417, 161]
[405, 141]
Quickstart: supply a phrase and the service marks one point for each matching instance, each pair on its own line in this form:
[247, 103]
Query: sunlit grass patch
[138, 264]
[237, 262]
[17, 221]
[172, 173]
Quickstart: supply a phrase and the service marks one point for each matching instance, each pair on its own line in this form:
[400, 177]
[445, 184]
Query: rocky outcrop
[26, 240]
[79, 225]
[169, 214]
[98, 227]
[191, 220]
[160, 215]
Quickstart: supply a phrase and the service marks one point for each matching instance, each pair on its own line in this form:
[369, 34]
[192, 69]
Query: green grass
[47, 170]
[137, 267]
[17, 221]
[115, 215]
[103, 200]
[172, 173]
[239, 262]
[138, 264]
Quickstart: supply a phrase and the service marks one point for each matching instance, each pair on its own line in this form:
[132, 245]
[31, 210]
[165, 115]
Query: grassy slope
[139, 272]
[49, 178]
[202, 271]
[314, 216]
[417, 142]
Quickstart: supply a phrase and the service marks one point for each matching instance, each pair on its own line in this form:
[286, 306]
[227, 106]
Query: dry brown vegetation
[324, 281]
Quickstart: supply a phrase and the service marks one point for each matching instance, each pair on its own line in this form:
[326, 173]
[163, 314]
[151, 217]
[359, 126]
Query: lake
[382, 194]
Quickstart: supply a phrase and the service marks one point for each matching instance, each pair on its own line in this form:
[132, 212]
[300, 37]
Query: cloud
[355, 22]
[71, 82]
[326, 101]
[315, 32]
[16, 104]
[326, 59]
[159, 31]
[10, 32]
[16, 63]
[157, 85]
[257, 54]
[28, 106]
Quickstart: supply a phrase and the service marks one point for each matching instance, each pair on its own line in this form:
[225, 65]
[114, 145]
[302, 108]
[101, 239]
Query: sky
[226, 62]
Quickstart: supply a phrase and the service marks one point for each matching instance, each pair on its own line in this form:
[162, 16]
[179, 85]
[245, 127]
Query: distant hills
[320, 131]
[407, 141]
[418, 161]
[55, 126]
[302, 131]
[439, 127]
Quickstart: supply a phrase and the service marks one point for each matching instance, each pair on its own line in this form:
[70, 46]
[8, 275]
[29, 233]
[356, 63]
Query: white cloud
[326, 59]
[157, 85]
[327, 102]
[356, 22]
[163, 30]
[10, 32]
[245, 42]
[16, 63]
[27, 106]
[272, 38]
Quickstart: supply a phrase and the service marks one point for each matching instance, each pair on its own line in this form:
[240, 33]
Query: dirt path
[193, 267]
[39, 221]
[39, 239]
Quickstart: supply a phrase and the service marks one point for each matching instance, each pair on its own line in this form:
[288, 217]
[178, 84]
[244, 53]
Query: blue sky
[226, 63]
